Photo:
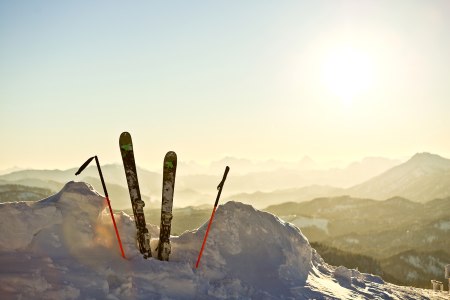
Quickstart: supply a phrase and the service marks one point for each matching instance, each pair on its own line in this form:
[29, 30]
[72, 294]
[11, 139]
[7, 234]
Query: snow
[351, 240]
[413, 275]
[64, 247]
[443, 225]
[311, 222]
[431, 238]
[430, 264]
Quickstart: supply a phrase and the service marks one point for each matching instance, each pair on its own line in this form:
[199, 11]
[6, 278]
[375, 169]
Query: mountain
[64, 247]
[422, 178]
[382, 230]
[375, 228]
[114, 176]
[364, 169]
[338, 257]
[245, 166]
[415, 267]
[397, 236]
[51, 185]
[14, 192]
[272, 176]
[119, 195]
[45, 175]
[367, 168]
[406, 268]
[263, 199]
[10, 170]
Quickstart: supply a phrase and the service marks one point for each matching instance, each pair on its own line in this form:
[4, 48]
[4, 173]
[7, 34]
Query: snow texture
[301, 221]
[64, 247]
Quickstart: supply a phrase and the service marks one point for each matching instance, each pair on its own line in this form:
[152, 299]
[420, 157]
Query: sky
[334, 80]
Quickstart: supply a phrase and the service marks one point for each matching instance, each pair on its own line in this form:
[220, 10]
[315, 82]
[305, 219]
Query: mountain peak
[422, 178]
[428, 160]
[427, 156]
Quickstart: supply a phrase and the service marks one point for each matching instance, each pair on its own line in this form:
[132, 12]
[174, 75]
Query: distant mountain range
[263, 199]
[15, 192]
[422, 178]
[10, 170]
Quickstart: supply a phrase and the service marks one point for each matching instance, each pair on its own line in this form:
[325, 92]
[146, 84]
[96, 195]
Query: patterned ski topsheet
[169, 172]
[143, 236]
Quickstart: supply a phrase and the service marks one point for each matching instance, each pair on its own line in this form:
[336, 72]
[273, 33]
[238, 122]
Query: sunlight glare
[347, 73]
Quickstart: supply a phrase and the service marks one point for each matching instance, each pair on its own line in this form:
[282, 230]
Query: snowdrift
[64, 247]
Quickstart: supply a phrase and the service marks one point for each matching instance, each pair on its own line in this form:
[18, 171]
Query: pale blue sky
[214, 78]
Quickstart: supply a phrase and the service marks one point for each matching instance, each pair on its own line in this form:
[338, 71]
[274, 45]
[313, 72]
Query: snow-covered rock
[64, 247]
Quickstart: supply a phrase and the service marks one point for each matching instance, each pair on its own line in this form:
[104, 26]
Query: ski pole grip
[227, 169]
[86, 163]
[220, 186]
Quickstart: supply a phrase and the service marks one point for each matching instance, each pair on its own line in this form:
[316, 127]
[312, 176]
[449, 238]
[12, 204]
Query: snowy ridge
[64, 247]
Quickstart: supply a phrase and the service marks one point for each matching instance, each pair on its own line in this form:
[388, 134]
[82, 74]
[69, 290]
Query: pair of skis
[143, 236]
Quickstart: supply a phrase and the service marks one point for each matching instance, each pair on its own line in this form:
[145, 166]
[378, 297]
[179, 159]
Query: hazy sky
[335, 80]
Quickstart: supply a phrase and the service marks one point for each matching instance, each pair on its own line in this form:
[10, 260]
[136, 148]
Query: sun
[347, 73]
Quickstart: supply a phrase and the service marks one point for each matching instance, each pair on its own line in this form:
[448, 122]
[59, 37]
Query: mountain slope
[415, 267]
[422, 178]
[14, 192]
[263, 199]
[376, 228]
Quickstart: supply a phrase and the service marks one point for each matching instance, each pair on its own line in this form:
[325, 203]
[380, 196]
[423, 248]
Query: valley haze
[421, 178]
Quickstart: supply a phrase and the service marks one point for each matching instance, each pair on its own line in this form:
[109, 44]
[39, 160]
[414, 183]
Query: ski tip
[171, 153]
[125, 138]
[170, 156]
[170, 160]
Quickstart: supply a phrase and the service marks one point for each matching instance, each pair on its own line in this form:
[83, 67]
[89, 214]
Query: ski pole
[106, 196]
[219, 187]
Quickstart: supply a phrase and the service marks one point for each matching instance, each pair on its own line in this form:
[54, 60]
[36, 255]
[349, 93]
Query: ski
[169, 171]
[142, 235]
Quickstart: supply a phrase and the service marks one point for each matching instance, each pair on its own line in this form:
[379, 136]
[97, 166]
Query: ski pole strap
[220, 186]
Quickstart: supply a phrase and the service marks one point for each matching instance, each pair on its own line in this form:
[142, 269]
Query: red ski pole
[219, 187]
[106, 196]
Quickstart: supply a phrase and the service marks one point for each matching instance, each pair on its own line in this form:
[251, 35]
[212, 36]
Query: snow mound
[257, 249]
[64, 247]
[76, 205]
